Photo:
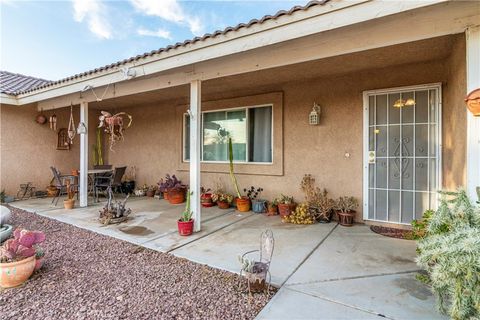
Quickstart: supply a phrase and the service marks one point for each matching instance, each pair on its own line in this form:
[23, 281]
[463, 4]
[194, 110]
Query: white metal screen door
[402, 153]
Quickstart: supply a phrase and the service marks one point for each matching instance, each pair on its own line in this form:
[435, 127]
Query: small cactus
[23, 245]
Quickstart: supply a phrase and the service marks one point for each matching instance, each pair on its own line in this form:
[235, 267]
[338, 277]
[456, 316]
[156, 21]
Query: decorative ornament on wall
[53, 122]
[63, 142]
[114, 125]
[314, 116]
[473, 102]
[41, 118]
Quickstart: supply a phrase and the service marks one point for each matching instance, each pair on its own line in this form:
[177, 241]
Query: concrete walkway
[324, 271]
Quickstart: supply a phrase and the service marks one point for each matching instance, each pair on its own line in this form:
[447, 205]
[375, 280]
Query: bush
[449, 250]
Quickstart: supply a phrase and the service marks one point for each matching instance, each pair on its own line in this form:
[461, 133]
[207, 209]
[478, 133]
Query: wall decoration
[473, 102]
[53, 122]
[314, 116]
[63, 140]
[114, 125]
[41, 118]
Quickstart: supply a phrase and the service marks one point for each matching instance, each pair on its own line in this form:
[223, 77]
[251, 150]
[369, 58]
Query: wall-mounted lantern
[314, 116]
[473, 102]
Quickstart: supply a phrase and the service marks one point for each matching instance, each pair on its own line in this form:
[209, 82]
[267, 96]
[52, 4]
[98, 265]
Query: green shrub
[449, 251]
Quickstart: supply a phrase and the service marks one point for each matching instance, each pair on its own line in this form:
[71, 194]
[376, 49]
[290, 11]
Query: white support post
[195, 134]
[83, 178]
[473, 123]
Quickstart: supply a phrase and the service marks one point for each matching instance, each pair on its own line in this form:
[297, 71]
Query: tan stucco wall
[152, 144]
[28, 149]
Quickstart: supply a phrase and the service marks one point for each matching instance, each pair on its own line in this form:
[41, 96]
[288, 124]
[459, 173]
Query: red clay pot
[13, 274]
[150, 193]
[243, 204]
[176, 196]
[206, 200]
[272, 211]
[185, 228]
[165, 195]
[286, 209]
[223, 204]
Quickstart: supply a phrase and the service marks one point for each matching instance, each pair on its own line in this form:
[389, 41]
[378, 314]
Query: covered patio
[312, 264]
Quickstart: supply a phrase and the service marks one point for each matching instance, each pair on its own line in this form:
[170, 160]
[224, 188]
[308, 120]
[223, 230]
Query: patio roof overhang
[333, 29]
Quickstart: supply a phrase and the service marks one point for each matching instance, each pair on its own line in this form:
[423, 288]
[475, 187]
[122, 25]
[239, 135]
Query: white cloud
[93, 12]
[169, 10]
[161, 33]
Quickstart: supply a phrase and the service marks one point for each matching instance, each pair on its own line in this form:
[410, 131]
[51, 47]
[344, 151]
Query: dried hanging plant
[114, 125]
[320, 204]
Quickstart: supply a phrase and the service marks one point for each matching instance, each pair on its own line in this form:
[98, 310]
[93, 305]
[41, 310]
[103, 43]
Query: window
[250, 129]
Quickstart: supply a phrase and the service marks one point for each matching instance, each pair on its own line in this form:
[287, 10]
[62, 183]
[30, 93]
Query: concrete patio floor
[325, 271]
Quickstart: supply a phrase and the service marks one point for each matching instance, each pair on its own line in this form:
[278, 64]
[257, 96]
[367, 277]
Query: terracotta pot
[38, 263]
[69, 203]
[15, 273]
[223, 204]
[243, 204]
[286, 209]
[165, 195]
[150, 193]
[473, 102]
[51, 191]
[272, 211]
[41, 119]
[185, 228]
[75, 173]
[176, 196]
[206, 200]
[346, 219]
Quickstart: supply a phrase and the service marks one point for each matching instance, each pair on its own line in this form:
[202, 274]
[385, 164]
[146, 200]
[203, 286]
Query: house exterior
[390, 78]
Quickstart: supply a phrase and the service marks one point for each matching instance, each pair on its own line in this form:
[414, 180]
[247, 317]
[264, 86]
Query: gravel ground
[91, 276]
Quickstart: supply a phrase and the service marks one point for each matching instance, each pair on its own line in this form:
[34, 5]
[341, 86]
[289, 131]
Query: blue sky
[56, 39]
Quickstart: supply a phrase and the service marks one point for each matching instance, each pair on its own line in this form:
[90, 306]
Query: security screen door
[402, 160]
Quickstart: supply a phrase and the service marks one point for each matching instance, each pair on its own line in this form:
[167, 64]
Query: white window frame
[439, 146]
[247, 124]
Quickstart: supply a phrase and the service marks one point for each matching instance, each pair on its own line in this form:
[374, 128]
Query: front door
[402, 153]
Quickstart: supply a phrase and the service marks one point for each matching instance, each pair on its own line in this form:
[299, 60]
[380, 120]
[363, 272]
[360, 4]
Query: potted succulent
[18, 257]
[223, 200]
[151, 191]
[258, 205]
[171, 183]
[69, 203]
[345, 209]
[242, 202]
[5, 229]
[206, 197]
[272, 208]
[185, 223]
[286, 205]
[317, 199]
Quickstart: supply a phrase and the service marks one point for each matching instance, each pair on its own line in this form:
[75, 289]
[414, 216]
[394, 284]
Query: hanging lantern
[314, 117]
[473, 102]
[53, 122]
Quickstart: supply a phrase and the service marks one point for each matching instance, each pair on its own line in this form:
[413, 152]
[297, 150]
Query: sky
[57, 39]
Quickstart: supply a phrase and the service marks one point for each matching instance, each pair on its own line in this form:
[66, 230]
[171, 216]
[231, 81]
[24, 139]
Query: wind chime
[53, 122]
[71, 127]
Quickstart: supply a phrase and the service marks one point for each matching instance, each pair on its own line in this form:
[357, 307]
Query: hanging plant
[114, 125]
[71, 127]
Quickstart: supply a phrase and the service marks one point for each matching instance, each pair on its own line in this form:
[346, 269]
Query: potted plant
[345, 209]
[223, 200]
[206, 197]
[18, 257]
[272, 208]
[286, 205]
[185, 223]
[258, 205]
[242, 203]
[170, 183]
[317, 199]
[151, 191]
[69, 203]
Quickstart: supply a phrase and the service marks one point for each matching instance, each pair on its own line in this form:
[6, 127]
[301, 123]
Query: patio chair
[111, 179]
[61, 185]
[259, 267]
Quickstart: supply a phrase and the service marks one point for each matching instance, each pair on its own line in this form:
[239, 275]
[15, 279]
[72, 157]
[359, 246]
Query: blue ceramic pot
[259, 206]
